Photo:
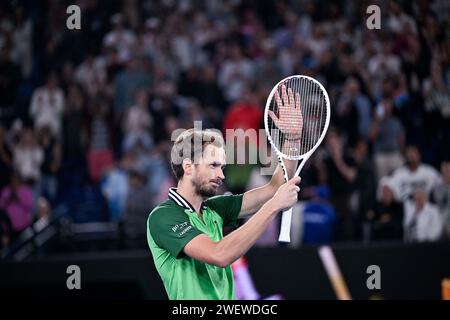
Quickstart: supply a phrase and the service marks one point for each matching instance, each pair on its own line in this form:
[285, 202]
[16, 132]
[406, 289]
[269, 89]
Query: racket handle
[285, 231]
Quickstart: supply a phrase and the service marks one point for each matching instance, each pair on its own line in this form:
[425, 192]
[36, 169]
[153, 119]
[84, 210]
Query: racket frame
[285, 229]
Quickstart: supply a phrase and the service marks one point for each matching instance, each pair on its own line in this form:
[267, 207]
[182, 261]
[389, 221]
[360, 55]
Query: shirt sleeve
[228, 207]
[171, 230]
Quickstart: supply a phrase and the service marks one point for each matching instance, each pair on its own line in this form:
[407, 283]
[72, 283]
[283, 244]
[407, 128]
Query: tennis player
[184, 233]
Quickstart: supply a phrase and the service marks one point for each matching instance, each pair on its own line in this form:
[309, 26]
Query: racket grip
[285, 230]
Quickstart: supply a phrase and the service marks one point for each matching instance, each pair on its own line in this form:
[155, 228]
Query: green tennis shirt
[174, 223]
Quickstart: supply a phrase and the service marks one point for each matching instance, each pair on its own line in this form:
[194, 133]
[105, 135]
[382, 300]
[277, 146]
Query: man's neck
[413, 167]
[186, 190]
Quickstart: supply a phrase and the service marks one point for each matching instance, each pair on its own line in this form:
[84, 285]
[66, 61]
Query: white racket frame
[285, 230]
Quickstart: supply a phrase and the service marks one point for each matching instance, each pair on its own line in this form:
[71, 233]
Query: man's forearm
[278, 176]
[237, 243]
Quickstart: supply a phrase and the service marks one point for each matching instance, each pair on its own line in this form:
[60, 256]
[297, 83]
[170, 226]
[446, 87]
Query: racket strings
[289, 136]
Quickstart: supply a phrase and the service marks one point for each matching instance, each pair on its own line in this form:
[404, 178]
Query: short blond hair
[191, 144]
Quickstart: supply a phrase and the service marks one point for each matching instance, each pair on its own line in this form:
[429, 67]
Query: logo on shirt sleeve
[181, 229]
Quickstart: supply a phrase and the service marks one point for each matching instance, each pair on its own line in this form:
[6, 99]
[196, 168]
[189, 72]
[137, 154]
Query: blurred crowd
[87, 115]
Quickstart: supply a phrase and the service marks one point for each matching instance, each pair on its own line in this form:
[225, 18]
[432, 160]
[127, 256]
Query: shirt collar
[181, 201]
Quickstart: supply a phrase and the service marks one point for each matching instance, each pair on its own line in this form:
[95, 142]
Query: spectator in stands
[387, 218]
[5, 230]
[319, 218]
[5, 159]
[245, 114]
[388, 138]
[28, 158]
[138, 204]
[135, 76]
[100, 133]
[115, 186]
[437, 93]
[235, 73]
[363, 197]
[43, 211]
[414, 175]
[268, 70]
[341, 174]
[119, 38]
[50, 165]
[441, 195]
[74, 129]
[137, 123]
[91, 74]
[16, 200]
[10, 79]
[47, 105]
[354, 111]
[422, 221]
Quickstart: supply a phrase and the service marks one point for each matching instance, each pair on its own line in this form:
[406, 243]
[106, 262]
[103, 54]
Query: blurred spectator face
[413, 157]
[395, 8]
[141, 98]
[352, 86]
[249, 96]
[171, 124]
[76, 97]
[132, 64]
[136, 180]
[389, 86]
[43, 208]
[387, 48]
[445, 170]
[2, 135]
[15, 181]
[52, 81]
[290, 19]
[117, 22]
[360, 151]
[166, 90]
[209, 74]
[235, 52]
[387, 196]
[270, 49]
[152, 24]
[333, 140]
[384, 109]
[127, 160]
[4, 54]
[44, 135]
[28, 139]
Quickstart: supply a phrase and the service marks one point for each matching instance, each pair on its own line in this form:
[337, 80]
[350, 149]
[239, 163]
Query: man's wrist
[270, 207]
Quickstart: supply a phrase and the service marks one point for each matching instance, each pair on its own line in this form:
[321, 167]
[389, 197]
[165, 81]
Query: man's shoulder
[428, 169]
[223, 201]
[165, 207]
[217, 198]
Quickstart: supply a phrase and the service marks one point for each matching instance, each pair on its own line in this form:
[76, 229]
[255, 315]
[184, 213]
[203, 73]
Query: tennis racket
[296, 119]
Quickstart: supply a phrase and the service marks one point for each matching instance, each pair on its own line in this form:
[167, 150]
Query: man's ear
[187, 166]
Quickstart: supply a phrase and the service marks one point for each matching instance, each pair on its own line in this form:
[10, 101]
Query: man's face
[413, 156]
[207, 175]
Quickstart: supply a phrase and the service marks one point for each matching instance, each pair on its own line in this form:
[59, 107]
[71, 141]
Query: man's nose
[221, 174]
